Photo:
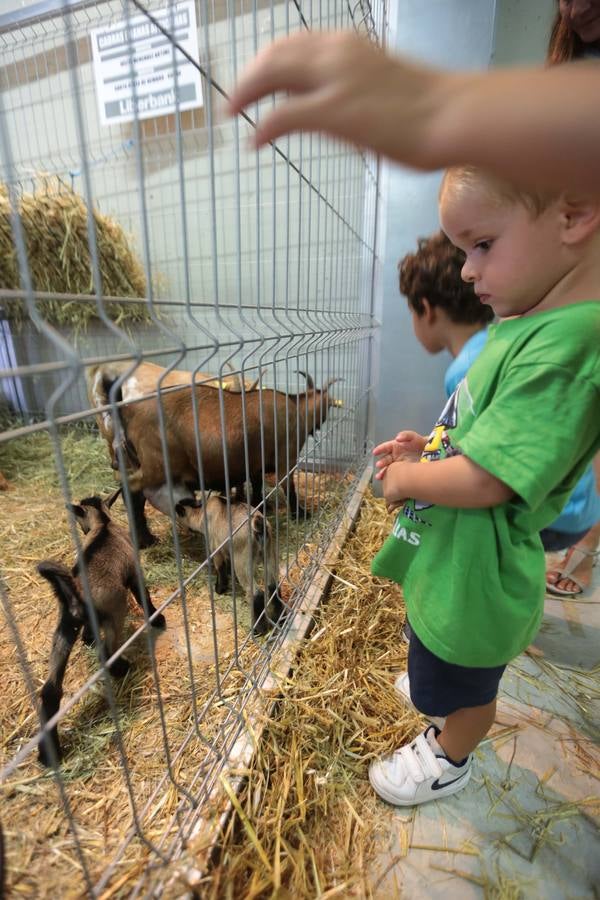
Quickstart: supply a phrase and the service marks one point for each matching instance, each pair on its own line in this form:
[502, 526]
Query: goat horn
[237, 378]
[111, 499]
[310, 383]
[329, 382]
[256, 381]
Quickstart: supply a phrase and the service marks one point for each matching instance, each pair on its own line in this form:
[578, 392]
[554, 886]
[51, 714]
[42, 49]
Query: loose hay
[306, 823]
[56, 237]
[41, 859]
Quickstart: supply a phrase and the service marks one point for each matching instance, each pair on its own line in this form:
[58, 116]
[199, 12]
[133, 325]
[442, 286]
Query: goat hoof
[261, 623]
[45, 755]
[87, 636]
[119, 668]
[147, 539]
[220, 588]
[301, 513]
[159, 621]
[260, 628]
[277, 606]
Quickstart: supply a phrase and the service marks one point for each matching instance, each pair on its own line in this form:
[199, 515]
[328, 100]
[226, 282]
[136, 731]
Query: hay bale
[55, 229]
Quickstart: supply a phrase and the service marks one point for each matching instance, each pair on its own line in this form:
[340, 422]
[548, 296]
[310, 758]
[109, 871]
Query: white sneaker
[418, 772]
[402, 687]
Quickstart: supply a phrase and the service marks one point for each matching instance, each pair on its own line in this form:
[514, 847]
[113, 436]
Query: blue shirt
[582, 509]
[461, 364]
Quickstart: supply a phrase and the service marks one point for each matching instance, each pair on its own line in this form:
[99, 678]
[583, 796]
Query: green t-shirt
[529, 413]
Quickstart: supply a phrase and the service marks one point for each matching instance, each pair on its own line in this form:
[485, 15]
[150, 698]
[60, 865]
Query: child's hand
[395, 484]
[407, 446]
[412, 444]
[346, 86]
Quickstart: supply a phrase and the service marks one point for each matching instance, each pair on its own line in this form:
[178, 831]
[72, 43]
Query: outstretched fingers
[282, 66]
[297, 114]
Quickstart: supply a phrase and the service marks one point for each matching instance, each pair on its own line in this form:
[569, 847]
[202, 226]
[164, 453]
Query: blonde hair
[497, 189]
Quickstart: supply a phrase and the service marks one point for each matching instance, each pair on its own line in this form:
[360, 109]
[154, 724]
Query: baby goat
[110, 566]
[245, 553]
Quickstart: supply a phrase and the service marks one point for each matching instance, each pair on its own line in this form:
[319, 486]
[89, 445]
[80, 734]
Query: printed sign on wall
[151, 62]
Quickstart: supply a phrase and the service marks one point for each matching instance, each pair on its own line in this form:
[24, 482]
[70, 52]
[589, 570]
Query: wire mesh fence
[190, 322]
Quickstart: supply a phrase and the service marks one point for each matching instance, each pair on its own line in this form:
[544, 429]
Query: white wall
[456, 34]
[522, 31]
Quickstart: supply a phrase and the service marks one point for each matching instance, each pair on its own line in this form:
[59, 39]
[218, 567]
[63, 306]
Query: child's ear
[580, 218]
[428, 310]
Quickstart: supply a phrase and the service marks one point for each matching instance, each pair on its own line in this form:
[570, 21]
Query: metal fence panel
[257, 266]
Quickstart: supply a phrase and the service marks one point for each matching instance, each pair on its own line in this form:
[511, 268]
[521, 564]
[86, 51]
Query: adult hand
[538, 127]
[347, 87]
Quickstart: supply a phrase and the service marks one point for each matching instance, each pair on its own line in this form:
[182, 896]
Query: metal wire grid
[268, 263]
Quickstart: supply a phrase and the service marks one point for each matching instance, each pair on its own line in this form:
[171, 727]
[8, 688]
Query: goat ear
[180, 509]
[329, 382]
[76, 509]
[188, 501]
[111, 499]
[309, 382]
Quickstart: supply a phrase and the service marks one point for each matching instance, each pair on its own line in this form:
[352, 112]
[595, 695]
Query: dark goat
[284, 418]
[110, 566]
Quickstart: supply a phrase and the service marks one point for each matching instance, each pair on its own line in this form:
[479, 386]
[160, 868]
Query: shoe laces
[418, 760]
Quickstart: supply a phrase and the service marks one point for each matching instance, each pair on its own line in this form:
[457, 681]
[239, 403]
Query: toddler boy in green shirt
[502, 459]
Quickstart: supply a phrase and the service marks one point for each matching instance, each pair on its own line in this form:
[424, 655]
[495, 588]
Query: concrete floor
[527, 825]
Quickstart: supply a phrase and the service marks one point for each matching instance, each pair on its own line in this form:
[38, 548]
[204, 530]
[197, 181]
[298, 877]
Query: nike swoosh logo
[436, 786]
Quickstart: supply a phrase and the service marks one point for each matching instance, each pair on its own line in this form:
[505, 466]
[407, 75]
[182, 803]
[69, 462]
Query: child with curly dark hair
[446, 312]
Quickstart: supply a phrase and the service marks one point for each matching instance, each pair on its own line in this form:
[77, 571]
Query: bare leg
[464, 729]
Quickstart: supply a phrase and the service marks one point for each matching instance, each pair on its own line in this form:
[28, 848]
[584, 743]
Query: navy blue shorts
[438, 688]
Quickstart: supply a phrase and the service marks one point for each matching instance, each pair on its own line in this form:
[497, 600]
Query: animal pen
[149, 254]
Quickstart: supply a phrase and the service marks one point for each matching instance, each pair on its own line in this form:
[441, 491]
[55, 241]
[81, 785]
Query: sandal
[571, 561]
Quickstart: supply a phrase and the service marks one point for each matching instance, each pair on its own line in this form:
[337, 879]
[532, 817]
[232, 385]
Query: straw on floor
[306, 823]
[41, 860]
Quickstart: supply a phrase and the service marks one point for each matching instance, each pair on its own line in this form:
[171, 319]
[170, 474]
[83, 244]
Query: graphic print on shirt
[439, 446]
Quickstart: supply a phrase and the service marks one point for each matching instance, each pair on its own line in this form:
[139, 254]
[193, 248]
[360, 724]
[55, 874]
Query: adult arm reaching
[538, 126]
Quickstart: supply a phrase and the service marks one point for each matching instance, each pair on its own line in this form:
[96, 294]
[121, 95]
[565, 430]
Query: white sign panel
[151, 64]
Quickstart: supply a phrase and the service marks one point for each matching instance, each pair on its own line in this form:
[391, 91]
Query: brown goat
[111, 572]
[142, 382]
[246, 553]
[267, 452]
